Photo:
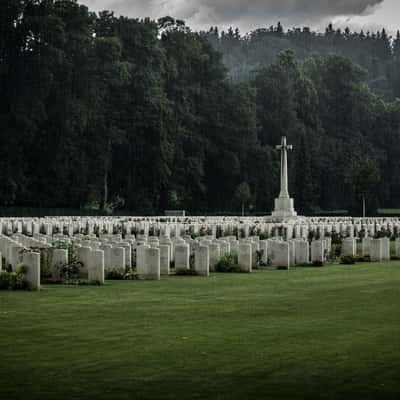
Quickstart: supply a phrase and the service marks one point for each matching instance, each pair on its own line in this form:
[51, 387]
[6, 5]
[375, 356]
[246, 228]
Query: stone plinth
[284, 208]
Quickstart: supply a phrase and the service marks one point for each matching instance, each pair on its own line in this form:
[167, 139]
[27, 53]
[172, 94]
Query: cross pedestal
[284, 205]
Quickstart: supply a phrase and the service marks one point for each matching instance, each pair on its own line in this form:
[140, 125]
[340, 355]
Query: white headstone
[32, 261]
[215, 255]
[165, 259]
[182, 255]
[96, 266]
[245, 257]
[281, 255]
[202, 261]
[152, 264]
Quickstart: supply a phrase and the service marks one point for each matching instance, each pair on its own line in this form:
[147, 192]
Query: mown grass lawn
[329, 333]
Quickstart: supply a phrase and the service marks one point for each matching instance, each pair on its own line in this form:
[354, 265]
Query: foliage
[347, 260]
[70, 272]
[115, 113]
[336, 250]
[118, 275]
[317, 264]
[364, 175]
[259, 256]
[82, 282]
[114, 274]
[186, 272]
[14, 280]
[362, 259]
[21, 269]
[243, 194]
[228, 263]
[244, 54]
[46, 256]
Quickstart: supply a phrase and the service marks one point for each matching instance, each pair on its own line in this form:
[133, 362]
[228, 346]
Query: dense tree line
[377, 52]
[104, 112]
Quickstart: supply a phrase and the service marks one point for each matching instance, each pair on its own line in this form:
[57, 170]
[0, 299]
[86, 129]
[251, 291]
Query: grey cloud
[200, 13]
[286, 8]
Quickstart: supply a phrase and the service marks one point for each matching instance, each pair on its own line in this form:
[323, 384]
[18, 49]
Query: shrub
[347, 260]
[22, 269]
[4, 280]
[70, 271]
[82, 282]
[362, 259]
[7, 268]
[228, 263]
[130, 274]
[89, 283]
[186, 272]
[115, 275]
[337, 249]
[13, 281]
[317, 264]
[259, 255]
[67, 272]
[330, 256]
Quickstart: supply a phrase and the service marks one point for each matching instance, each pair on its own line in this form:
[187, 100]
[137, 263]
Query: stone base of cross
[284, 208]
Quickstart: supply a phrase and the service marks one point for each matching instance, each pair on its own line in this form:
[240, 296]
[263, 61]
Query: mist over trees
[104, 112]
[376, 52]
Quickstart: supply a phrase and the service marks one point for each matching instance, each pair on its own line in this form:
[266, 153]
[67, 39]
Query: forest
[107, 113]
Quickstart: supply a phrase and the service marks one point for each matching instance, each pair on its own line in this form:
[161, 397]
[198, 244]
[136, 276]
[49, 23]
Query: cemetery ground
[306, 333]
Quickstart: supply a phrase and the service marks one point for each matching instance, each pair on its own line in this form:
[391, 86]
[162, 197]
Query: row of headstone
[240, 227]
[152, 256]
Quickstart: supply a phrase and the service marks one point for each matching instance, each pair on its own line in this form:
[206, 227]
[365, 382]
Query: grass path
[329, 333]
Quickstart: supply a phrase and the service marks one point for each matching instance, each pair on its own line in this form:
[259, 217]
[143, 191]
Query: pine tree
[396, 46]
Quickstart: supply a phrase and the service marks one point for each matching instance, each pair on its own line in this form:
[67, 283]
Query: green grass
[323, 333]
[389, 211]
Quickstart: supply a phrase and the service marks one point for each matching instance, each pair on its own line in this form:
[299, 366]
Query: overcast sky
[251, 14]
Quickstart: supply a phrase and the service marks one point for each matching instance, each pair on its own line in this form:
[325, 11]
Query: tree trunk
[364, 206]
[107, 163]
[105, 188]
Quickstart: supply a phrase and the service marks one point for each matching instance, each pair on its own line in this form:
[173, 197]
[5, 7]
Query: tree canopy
[98, 111]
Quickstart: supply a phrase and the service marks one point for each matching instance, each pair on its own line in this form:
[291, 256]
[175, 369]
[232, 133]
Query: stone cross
[284, 147]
